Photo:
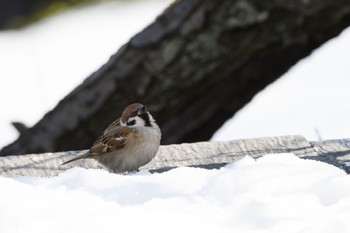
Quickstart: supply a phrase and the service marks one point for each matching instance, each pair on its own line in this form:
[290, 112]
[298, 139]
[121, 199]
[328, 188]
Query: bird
[128, 143]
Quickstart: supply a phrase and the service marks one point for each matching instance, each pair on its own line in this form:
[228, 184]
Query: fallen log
[208, 155]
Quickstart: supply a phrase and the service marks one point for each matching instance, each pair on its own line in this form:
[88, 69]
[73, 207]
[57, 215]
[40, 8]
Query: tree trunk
[194, 67]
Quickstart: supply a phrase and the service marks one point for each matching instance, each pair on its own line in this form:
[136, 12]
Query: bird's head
[136, 115]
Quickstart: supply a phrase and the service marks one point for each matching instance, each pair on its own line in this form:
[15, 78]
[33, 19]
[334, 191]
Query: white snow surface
[276, 193]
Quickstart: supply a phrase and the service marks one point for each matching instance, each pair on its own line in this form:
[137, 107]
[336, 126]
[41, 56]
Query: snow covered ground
[276, 193]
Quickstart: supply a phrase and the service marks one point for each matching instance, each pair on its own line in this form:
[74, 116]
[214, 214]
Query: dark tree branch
[194, 67]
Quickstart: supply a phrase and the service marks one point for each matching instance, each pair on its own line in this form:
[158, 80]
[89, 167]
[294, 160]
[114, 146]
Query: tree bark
[194, 67]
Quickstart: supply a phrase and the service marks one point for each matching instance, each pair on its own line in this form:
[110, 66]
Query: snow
[276, 193]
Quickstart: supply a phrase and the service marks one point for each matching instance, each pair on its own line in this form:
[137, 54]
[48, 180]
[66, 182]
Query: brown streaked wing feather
[112, 126]
[111, 141]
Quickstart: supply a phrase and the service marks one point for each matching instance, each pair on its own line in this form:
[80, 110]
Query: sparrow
[128, 143]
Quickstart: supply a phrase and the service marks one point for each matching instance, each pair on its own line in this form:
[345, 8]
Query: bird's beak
[142, 110]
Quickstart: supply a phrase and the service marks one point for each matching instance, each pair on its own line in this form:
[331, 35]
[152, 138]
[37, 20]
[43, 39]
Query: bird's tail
[76, 158]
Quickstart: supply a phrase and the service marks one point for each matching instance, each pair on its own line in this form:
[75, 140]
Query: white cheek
[138, 121]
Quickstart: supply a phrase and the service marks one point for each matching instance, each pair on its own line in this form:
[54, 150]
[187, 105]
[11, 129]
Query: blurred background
[47, 48]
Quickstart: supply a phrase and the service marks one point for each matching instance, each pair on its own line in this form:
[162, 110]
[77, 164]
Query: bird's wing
[112, 140]
[112, 126]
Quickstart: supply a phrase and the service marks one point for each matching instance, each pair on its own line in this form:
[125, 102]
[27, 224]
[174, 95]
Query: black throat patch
[145, 117]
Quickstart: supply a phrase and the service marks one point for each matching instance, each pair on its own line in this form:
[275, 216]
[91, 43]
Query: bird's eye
[133, 114]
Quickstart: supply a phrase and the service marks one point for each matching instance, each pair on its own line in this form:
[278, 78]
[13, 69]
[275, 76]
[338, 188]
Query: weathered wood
[335, 152]
[194, 67]
[201, 154]
[208, 155]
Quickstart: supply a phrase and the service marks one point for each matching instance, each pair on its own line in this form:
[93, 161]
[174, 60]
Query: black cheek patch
[133, 122]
